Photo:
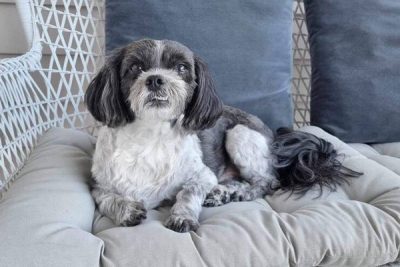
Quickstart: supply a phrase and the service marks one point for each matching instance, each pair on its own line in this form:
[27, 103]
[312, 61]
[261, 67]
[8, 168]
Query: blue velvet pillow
[247, 45]
[355, 51]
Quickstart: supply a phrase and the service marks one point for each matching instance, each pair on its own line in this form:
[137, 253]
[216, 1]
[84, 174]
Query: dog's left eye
[137, 68]
[182, 68]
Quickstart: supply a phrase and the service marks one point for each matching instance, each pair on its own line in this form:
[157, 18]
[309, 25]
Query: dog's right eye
[136, 68]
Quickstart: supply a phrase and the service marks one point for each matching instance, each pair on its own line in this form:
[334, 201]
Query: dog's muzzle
[154, 83]
[157, 99]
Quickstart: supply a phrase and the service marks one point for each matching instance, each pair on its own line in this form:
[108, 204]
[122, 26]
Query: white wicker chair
[38, 93]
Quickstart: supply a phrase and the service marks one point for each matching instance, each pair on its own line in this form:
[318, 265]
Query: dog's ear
[205, 107]
[104, 97]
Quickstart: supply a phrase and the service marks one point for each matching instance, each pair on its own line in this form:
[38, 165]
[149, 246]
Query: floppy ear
[205, 107]
[104, 97]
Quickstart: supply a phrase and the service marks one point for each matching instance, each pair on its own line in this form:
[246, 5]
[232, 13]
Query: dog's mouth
[157, 101]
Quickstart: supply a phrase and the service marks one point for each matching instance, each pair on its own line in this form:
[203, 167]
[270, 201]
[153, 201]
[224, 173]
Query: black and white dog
[167, 136]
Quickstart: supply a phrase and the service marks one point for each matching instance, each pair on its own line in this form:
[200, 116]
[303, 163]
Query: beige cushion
[46, 219]
[46, 215]
[359, 225]
[387, 154]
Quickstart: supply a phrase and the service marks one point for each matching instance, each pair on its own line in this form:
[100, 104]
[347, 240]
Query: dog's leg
[249, 151]
[121, 210]
[221, 193]
[185, 212]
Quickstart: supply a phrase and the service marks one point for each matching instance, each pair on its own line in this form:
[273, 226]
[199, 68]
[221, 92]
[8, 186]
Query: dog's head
[154, 79]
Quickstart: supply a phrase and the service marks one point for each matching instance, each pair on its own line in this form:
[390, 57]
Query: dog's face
[152, 79]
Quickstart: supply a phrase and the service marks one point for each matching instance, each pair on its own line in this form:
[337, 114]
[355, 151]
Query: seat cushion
[246, 44]
[46, 220]
[46, 215]
[359, 225]
[385, 154]
[355, 51]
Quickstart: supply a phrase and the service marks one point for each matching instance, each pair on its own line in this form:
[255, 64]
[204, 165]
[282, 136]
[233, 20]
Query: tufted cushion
[46, 219]
[46, 216]
[359, 225]
[247, 45]
[385, 154]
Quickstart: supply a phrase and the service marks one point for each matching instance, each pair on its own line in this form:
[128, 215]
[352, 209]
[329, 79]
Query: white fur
[249, 151]
[148, 161]
[175, 90]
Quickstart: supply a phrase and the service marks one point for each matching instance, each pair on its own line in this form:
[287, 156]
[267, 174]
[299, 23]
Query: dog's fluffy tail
[304, 161]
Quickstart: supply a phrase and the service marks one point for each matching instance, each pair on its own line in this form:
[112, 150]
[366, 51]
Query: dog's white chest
[148, 156]
[146, 162]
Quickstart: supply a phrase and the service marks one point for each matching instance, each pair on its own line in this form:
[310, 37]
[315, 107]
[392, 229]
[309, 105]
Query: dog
[166, 135]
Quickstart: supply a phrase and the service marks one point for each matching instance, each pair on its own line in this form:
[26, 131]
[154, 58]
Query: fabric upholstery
[355, 51]
[387, 155]
[359, 225]
[46, 215]
[46, 219]
[247, 45]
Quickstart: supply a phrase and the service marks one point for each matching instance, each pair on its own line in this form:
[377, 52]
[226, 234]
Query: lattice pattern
[301, 67]
[72, 31]
[22, 115]
[38, 91]
[45, 87]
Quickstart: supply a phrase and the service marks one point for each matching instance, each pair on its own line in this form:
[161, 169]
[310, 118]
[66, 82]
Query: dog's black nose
[154, 82]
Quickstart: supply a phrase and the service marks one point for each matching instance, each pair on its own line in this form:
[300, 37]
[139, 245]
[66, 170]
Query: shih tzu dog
[167, 136]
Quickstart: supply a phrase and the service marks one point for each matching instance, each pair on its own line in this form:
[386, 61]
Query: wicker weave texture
[301, 67]
[44, 88]
[39, 92]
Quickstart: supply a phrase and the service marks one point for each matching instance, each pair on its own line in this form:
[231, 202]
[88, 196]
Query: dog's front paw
[242, 196]
[218, 196]
[181, 224]
[133, 213]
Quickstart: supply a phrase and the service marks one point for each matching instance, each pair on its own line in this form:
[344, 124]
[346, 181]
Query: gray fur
[242, 156]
